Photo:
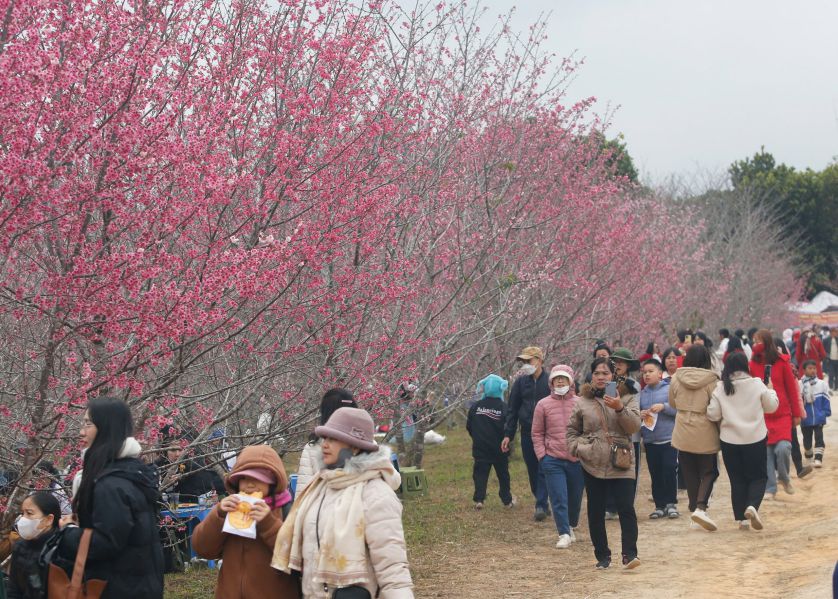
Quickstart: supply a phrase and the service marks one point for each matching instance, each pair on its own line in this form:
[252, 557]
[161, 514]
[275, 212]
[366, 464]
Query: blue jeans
[536, 476]
[565, 484]
[779, 460]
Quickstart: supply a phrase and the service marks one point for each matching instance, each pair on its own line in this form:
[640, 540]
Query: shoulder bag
[620, 453]
[61, 587]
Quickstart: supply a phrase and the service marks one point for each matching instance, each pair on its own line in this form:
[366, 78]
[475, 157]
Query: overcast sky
[703, 83]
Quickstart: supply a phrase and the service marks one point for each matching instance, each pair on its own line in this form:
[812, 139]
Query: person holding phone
[604, 417]
[768, 363]
[694, 436]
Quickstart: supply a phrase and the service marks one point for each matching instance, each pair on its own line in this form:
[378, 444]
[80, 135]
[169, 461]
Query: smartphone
[767, 376]
[688, 339]
[611, 389]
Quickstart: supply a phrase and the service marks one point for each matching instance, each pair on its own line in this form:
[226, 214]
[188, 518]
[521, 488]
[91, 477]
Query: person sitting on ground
[246, 570]
[818, 409]
[658, 419]
[562, 471]
[739, 402]
[485, 425]
[332, 400]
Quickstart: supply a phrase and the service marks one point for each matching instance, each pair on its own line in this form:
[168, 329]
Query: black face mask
[344, 455]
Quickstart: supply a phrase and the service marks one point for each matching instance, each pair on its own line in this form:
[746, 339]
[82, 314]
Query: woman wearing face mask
[116, 498]
[344, 533]
[562, 471]
[597, 421]
[38, 523]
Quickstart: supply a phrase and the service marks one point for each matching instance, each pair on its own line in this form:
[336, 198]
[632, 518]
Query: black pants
[817, 432]
[832, 372]
[747, 469]
[796, 456]
[538, 484]
[610, 503]
[700, 472]
[662, 460]
[622, 490]
[481, 478]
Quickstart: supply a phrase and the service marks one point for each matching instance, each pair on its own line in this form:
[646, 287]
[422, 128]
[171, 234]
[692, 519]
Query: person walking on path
[739, 403]
[485, 424]
[810, 347]
[818, 409]
[562, 471]
[830, 346]
[661, 458]
[527, 391]
[787, 414]
[344, 533]
[695, 437]
[598, 422]
[117, 499]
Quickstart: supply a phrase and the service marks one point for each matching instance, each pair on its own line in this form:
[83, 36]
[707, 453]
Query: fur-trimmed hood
[362, 462]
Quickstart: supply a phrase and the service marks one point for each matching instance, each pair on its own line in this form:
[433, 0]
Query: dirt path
[792, 558]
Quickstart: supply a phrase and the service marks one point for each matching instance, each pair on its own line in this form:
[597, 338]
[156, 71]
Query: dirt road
[792, 558]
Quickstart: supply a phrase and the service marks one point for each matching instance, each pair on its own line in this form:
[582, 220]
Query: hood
[365, 462]
[695, 378]
[260, 456]
[143, 475]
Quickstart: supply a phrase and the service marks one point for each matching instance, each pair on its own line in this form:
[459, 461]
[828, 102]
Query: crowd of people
[341, 535]
[747, 398]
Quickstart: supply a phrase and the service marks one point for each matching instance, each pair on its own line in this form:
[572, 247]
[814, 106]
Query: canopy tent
[823, 309]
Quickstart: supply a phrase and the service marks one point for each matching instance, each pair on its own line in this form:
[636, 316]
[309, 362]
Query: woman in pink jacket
[562, 471]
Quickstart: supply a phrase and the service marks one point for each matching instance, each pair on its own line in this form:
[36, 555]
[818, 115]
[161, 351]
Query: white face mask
[561, 390]
[527, 370]
[28, 528]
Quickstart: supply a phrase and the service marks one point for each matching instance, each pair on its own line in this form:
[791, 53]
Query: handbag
[61, 587]
[619, 452]
[353, 592]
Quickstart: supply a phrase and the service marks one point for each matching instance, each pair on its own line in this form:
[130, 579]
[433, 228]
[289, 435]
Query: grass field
[434, 525]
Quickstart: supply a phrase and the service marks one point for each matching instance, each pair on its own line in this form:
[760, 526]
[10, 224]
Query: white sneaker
[572, 536]
[818, 463]
[564, 542]
[701, 518]
[744, 525]
[753, 515]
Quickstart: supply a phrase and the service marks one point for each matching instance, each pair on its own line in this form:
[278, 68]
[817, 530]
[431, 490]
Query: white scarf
[130, 449]
[342, 560]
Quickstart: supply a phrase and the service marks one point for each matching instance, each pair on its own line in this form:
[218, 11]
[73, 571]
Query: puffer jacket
[386, 549]
[246, 570]
[779, 422]
[689, 393]
[586, 439]
[306, 469]
[125, 547]
[549, 426]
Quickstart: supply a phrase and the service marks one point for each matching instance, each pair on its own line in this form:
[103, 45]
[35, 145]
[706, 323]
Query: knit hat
[350, 425]
[493, 386]
[562, 370]
[528, 353]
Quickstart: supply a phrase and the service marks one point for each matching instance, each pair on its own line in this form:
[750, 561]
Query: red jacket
[816, 352]
[779, 423]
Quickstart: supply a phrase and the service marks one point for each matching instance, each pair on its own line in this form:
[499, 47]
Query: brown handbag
[620, 453]
[61, 587]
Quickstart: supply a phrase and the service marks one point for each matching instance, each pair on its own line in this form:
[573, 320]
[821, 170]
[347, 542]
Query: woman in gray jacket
[597, 421]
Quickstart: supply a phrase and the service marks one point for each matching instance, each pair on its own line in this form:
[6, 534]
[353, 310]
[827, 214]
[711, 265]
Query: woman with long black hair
[117, 499]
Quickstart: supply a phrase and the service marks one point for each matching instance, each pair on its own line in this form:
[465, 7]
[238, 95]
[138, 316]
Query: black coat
[194, 480]
[526, 392]
[125, 549]
[485, 424]
[27, 580]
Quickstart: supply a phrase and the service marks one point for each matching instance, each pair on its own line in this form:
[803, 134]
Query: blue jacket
[649, 396]
[815, 401]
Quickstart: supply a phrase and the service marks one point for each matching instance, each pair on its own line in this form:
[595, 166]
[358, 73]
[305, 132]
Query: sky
[700, 84]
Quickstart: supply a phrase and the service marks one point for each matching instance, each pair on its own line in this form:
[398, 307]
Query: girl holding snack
[245, 571]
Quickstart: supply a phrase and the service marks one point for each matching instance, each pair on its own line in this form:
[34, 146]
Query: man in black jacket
[485, 424]
[530, 388]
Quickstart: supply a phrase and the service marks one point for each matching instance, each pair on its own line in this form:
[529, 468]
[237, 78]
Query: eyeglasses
[87, 423]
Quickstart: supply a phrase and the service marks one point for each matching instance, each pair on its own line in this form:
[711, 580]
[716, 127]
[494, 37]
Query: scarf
[278, 500]
[342, 559]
